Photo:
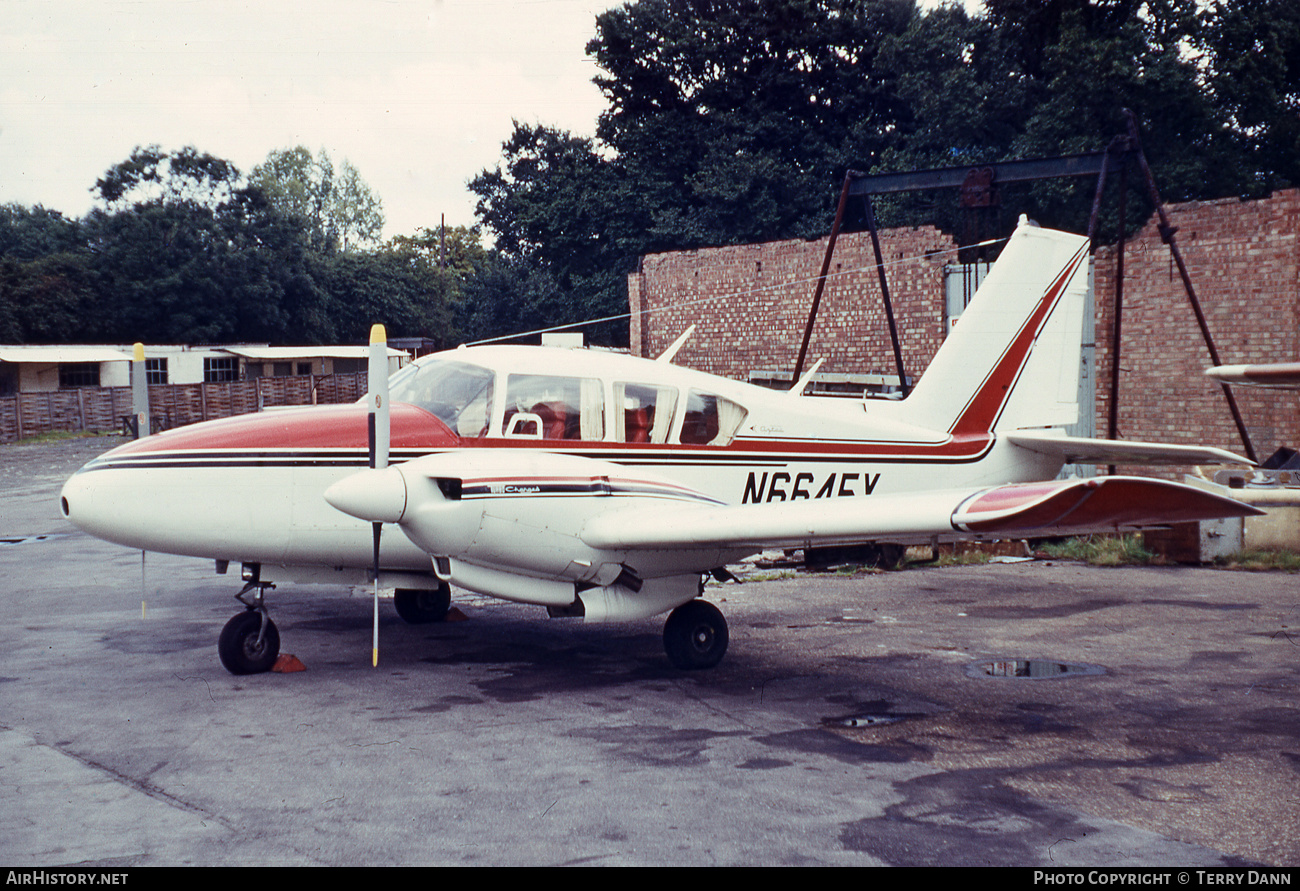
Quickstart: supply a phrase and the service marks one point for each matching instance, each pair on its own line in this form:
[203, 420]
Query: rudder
[1013, 358]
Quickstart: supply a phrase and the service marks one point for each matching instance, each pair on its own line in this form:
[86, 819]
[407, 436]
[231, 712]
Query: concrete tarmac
[873, 719]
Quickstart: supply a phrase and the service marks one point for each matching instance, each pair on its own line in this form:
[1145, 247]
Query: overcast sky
[417, 94]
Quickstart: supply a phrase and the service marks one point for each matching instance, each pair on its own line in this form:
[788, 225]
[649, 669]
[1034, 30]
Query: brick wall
[1243, 258]
[750, 304]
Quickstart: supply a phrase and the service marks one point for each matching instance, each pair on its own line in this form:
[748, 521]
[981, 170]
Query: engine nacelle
[512, 528]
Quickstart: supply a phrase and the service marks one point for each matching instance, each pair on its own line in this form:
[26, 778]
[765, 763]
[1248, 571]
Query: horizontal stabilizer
[1019, 510]
[1082, 450]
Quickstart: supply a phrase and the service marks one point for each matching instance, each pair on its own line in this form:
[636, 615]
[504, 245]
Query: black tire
[884, 556]
[420, 606]
[891, 556]
[238, 648]
[695, 635]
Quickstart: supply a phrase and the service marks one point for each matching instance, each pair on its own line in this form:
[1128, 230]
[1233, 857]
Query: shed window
[217, 369]
[78, 374]
[155, 371]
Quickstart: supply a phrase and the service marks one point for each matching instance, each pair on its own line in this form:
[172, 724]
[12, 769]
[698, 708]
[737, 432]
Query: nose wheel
[250, 641]
[695, 635]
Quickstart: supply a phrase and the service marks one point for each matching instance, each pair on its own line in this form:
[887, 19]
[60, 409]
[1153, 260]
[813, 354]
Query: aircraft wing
[1083, 450]
[1020, 510]
[1276, 375]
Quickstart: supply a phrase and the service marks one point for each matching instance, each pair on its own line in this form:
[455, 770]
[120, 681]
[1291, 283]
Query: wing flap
[1020, 510]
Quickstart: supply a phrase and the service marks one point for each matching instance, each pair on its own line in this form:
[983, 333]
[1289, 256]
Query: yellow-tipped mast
[379, 442]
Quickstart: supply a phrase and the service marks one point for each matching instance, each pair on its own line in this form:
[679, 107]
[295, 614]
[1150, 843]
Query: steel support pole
[821, 280]
[1113, 427]
[1167, 235]
[884, 291]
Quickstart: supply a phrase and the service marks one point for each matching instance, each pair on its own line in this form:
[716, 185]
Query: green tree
[456, 248]
[1107, 56]
[507, 296]
[409, 295]
[45, 300]
[184, 252]
[27, 233]
[339, 207]
[1252, 66]
[152, 176]
[161, 273]
[735, 121]
[561, 208]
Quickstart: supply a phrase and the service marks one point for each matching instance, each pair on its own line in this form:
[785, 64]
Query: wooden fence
[170, 405]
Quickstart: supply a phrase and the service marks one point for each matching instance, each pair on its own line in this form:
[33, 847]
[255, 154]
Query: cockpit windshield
[460, 394]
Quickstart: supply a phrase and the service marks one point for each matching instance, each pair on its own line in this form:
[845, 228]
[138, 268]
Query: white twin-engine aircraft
[603, 486]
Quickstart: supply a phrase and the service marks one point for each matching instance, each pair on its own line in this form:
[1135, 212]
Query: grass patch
[774, 576]
[923, 557]
[62, 436]
[1261, 561]
[1101, 550]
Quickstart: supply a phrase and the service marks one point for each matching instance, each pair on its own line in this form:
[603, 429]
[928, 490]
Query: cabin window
[459, 394]
[647, 412]
[557, 407]
[710, 419]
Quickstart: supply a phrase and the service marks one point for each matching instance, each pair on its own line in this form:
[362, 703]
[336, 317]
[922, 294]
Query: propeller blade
[374, 641]
[378, 385]
[379, 441]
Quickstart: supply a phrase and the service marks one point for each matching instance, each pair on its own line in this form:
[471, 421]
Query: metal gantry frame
[1122, 153]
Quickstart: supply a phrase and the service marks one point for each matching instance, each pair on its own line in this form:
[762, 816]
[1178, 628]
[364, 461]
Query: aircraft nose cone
[377, 496]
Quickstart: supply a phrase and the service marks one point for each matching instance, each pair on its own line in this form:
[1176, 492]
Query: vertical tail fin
[1013, 358]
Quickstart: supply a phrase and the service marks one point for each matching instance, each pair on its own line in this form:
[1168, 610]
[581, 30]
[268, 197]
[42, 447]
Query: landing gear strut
[695, 635]
[250, 641]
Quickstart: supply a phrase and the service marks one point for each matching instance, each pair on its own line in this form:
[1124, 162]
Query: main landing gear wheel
[419, 606]
[244, 648]
[695, 635]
